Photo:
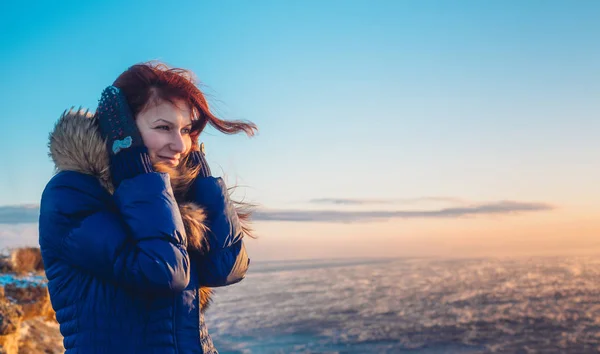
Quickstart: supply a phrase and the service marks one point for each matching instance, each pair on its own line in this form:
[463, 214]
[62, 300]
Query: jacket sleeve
[226, 262]
[134, 238]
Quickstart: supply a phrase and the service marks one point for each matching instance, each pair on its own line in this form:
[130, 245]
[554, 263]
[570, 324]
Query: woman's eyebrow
[164, 120]
[171, 123]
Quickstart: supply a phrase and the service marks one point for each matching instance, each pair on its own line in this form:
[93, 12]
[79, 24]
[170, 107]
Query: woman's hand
[128, 154]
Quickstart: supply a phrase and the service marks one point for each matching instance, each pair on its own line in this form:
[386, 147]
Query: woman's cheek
[147, 134]
[152, 142]
[188, 143]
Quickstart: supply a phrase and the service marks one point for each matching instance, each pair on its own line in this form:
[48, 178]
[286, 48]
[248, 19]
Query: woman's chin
[166, 162]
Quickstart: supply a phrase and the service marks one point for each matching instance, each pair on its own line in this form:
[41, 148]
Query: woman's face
[165, 129]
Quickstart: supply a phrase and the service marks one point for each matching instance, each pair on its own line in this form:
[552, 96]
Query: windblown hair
[146, 83]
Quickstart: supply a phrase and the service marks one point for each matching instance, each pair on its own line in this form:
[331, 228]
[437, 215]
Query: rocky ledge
[27, 321]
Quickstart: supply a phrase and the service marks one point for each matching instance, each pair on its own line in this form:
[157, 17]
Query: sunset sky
[387, 128]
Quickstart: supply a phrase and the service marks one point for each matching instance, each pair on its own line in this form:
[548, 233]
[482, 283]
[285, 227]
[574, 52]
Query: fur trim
[76, 145]
[193, 218]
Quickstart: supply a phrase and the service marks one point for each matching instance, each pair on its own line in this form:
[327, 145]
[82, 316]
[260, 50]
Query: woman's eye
[163, 127]
[186, 130]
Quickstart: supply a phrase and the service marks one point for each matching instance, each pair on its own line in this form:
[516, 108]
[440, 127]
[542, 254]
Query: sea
[482, 305]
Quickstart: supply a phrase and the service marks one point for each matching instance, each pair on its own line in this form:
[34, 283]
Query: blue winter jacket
[121, 274]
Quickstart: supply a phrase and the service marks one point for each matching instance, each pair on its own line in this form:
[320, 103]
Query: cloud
[344, 201]
[349, 201]
[495, 208]
[19, 214]
[24, 214]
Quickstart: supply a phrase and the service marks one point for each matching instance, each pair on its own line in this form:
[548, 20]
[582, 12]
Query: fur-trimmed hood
[75, 144]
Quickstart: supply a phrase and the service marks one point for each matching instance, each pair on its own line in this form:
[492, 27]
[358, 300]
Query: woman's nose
[177, 143]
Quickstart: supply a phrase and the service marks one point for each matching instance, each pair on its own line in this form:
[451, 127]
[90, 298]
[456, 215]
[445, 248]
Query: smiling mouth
[169, 159]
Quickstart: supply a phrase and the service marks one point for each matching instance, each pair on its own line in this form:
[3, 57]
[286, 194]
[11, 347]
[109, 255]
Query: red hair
[149, 82]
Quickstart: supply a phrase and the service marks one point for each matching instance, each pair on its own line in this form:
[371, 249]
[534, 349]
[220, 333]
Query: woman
[134, 230]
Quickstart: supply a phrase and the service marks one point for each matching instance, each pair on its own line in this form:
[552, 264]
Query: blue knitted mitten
[128, 154]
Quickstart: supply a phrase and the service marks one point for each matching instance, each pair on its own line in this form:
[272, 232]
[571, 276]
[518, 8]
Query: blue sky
[366, 100]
